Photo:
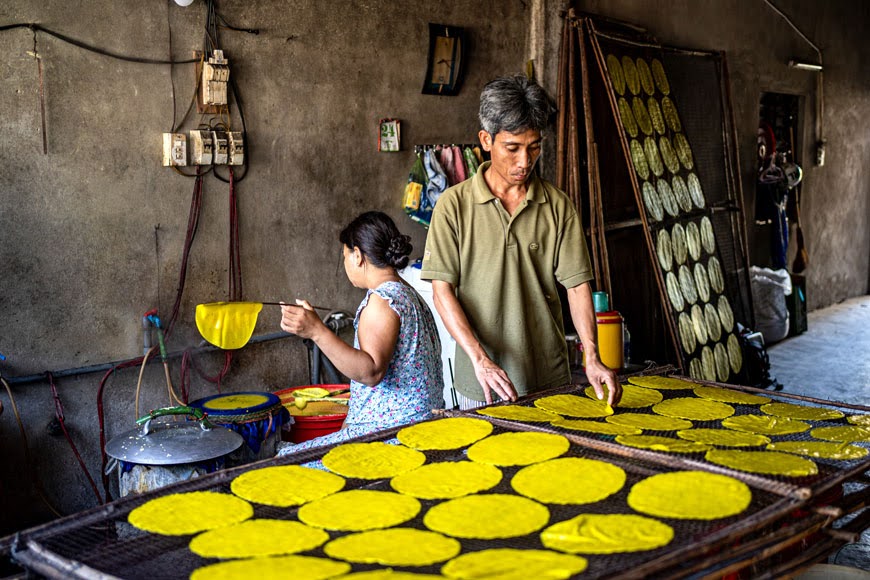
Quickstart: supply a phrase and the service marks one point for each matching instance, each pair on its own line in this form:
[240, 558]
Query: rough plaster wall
[758, 44]
[82, 254]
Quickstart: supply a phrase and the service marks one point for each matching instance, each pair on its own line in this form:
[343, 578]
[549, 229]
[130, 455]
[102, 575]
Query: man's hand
[493, 378]
[600, 375]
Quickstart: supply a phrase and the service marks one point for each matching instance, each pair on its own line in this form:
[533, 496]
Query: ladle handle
[181, 410]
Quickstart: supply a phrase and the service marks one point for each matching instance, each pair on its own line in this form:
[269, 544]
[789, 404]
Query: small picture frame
[389, 135]
[446, 60]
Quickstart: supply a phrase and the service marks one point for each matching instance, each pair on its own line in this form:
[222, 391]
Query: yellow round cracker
[766, 462]
[661, 79]
[614, 69]
[653, 204]
[693, 409]
[845, 433]
[863, 420]
[627, 117]
[394, 547]
[694, 495]
[649, 422]
[296, 567]
[669, 110]
[654, 159]
[519, 413]
[659, 443]
[638, 158]
[358, 510]
[629, 70]
[389, 574]
[655, 115]
[258, 538]
[820, 449]
[447, 479]
[487, 517]
[514, 564]
[645, 76]
[595, 427]
[765, 424]
[632, 397]
[801, 412]
[670, 158]
[285, 485]
[522, 448]
[607, 534]
[179, 514]
[695, 191]
[372, 460]
[641, 115]
[569, 480]
[729, 396]
[661, 383]
[574, 406]
[723, 437]
[451, 433]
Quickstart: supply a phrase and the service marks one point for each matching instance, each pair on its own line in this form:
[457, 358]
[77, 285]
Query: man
[497, 245]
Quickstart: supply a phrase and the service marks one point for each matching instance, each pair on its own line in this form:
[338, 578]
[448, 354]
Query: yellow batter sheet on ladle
[394, 547]
[607, 534]
[358, 510]
[487, 516]
[179, 514]
[280, 568]
[514, 564]
[519, 413]
[693, 495]
[766, 462]
[443, 434]
[569, 480]
[258, 538]
[522, 448]
[372, 460]
[447, 480]
[285, 485]
[227, 325]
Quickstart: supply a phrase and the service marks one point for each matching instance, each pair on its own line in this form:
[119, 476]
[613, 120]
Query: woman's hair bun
[398, 251]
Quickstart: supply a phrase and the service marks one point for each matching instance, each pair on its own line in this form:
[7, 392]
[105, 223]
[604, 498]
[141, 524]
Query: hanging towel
[437, 179]
[471, 163]
[445, 157]
[458, 164]
[478, 154]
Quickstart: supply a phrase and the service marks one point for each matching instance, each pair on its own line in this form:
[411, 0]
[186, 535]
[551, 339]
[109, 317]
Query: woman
[395, 362]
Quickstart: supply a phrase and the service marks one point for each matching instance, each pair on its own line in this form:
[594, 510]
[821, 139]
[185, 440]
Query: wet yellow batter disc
[595, 427]
[447, 479]
[574, 406]
[863, 420]
[359, 510]
[765, 424]
[513, 564]
[257, 538]
[723, 437]
[729, 396]
[801, 412]
[663, 383]
[820, 449]
[693, 495]
[693, 409]
[849, 433]
[451, 433]
[280, 568]
[394, 547]
[518, 413]
[658, 443]
[569, 480]
[372, 460]
[518, 448]
[767, 462]
[227, 325]
[179, 514]
[607, 534]
[632, 397]
[285, 485]
[487, 517]
[650, 422]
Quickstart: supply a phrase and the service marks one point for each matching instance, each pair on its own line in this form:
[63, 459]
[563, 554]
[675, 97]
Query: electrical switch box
[174, 150]
[236, 148]
[201, 147]
[221, 147]
[215, 75]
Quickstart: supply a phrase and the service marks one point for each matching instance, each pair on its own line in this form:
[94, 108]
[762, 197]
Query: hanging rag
[471, 163]
[437, 179]
[445, 158]
[458, 164]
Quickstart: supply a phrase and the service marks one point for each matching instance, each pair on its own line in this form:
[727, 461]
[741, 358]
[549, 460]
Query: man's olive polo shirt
[504, 269]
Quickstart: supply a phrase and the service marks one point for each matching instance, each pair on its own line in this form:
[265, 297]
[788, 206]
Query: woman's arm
[378, 333]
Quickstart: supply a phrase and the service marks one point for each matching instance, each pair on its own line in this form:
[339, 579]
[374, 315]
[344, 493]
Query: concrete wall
[83, 256]
[92, 232]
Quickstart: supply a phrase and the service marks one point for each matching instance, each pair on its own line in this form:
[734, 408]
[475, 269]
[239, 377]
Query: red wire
[102, 420]
[192, 226]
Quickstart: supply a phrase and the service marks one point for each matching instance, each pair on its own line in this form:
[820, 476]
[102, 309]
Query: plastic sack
[769, 289]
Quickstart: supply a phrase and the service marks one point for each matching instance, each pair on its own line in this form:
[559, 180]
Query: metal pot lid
[173, 443]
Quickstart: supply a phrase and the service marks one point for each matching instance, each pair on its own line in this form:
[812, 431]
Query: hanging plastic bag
[769, 289]
[414, 188]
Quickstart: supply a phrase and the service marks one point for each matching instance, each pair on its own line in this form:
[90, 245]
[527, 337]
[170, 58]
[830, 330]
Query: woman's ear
[358, 257]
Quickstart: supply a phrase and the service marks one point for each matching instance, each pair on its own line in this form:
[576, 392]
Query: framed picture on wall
[445, 60]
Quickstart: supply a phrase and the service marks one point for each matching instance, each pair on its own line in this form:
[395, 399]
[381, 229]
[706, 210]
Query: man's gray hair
[514, 104]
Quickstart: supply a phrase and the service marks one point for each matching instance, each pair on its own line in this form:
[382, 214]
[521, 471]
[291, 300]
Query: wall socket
[174, 150]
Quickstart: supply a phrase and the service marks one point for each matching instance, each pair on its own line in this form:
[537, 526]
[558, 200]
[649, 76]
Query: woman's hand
[301, 320]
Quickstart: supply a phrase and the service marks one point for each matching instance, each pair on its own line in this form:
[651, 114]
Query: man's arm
[583, 315]
[490, 376]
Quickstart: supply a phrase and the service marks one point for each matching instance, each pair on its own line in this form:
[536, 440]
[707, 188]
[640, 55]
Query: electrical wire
[37, 484]
[192, 227]
[139, 381]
